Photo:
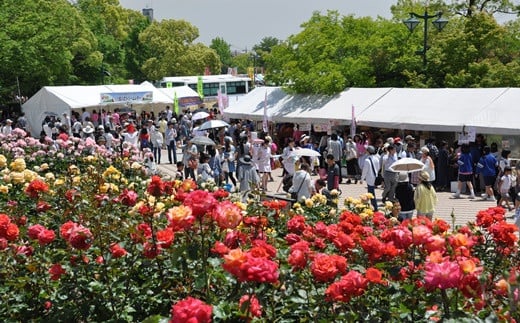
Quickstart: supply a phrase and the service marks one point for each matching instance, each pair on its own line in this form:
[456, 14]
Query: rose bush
[85, 235]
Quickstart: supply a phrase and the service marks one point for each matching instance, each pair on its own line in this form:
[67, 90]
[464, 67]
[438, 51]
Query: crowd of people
[242, 159]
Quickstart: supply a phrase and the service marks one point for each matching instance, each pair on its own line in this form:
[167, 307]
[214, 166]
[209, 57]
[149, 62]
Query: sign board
[120, 97]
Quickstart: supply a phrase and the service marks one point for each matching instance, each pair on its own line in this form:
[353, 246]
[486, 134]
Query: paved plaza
[464, 209]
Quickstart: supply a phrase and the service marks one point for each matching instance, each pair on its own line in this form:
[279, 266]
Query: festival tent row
[487, 110]
[56, 100]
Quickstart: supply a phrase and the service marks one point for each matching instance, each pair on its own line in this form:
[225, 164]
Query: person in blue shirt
[465, 164]
[486, 167]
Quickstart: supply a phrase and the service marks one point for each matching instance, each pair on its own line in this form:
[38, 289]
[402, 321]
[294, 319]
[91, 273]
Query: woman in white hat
[88, 132]
[425, 196]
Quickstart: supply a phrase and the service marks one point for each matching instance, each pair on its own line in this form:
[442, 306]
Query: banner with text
[120, 97]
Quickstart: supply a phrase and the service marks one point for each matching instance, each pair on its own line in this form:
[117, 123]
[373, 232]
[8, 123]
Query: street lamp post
[413, 22]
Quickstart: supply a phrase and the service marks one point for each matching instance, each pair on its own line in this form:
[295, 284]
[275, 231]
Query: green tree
[110, 24]
[172, 52]
[136, 53]
[223, 50]
[43, 42]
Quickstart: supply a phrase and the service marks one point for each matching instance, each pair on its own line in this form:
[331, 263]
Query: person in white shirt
[370, 168]
[7, 129]
[302, 183]
[390, 177]
[85, 115]
[157, 139]
[171, 143]
[131, 135]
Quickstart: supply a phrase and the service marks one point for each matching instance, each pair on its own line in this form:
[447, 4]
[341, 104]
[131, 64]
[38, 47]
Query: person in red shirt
[63, 135]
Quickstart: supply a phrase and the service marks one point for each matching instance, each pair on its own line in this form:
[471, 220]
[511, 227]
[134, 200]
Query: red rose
[250, 305]
[143, 232]
[12, 232]
[35, 188]
[34, 231]
[80, 238]
[165, 237]
[352, 284]
[374, 275]
[219, 248]
[128, 197]
[262, 249]
[46, 236]
[227, 215]
[260, 270]
[201, 202]
[296, 224]
[24, 250]
[156, 186]
[117, 251]
[151, 250]
[191, 310]
[42, 206]
[66, 229]
[71, 194]
[56, 271]
[297, 259]
[3, 243]
[325, 267]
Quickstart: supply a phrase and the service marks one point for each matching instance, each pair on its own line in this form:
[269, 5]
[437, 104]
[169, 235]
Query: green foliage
[223, 50]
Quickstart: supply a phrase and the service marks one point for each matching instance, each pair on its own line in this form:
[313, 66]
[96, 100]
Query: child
[425, 197]
[506, 181]
[179, 174]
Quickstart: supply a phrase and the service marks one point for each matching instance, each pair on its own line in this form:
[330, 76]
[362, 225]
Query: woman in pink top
[94, 117]
[361, 147]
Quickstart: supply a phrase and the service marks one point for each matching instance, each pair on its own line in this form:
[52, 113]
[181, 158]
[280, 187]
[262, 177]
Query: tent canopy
[56, 100]
[489, 110]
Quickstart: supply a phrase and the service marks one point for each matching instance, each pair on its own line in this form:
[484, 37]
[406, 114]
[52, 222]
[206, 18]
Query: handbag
[379, 178]
[294, 195]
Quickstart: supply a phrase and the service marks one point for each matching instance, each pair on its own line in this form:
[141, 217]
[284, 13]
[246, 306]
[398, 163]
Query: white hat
[8, 121]
[88, 130]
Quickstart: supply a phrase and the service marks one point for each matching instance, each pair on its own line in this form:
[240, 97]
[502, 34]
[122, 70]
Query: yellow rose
[49, 177]
[159, 207]
[3, 161]
[74, 170]
[17, 177]
[36, 168]
[44, 167]
[90, 159]
[111, 170]
[18, 165]
[59, 182]
[136, 165]
[332, 212]
[241, 205]
[309, 203]
[4, 189]
[76, 180]
[30, 175]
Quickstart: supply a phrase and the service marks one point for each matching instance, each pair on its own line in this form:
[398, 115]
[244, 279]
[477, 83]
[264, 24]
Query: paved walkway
[465, 210]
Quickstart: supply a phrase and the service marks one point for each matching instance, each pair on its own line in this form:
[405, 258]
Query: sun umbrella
[212, 124]
[200, 115]
[407, 165]
[305, 152]
[202, 140]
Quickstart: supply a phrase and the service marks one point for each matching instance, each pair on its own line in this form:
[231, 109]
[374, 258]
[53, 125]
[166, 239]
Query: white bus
[229, 85]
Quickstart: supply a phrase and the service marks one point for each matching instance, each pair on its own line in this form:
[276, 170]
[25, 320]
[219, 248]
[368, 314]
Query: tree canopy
[59, 42]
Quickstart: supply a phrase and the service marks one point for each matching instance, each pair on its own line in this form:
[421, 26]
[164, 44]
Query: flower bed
[86, 236]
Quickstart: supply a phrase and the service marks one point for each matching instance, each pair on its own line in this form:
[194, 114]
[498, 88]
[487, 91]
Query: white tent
[489, 110]
[447, 109]
[56, 100]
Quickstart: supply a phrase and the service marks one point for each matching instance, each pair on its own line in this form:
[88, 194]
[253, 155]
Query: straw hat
[424, 176]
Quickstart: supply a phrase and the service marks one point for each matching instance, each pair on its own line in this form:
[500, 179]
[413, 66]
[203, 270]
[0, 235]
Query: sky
[244, 23]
